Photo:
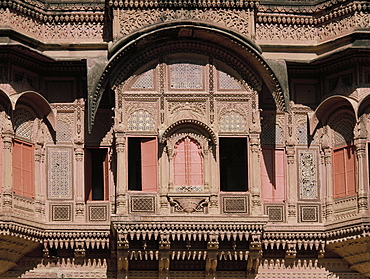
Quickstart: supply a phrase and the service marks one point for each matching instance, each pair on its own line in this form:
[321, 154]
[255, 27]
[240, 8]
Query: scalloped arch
[173, 127]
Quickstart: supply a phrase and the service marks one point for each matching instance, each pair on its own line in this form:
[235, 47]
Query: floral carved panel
[131, 20]
[307, 175]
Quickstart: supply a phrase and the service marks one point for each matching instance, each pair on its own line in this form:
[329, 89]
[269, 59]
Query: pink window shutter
[339, 175]
[17, 168]
[27, 170]
[350, 160]
[180, 165]
[149, 165]
[88, 175]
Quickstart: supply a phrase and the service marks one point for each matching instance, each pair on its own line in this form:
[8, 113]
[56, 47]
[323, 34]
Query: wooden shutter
[149, 164]
[180, 165]
[106, 176]
[88, 175]
[344, 172]
[188, 164]
[273, 175]
[23, 183]
[27, 170]
[17, 168]
[350, 161]
[1, 163]
[195, 163]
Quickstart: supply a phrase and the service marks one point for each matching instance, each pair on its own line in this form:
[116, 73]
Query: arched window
[188, 163]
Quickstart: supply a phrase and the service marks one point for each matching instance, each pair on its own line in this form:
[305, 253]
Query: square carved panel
[97, 213]
[275, 213]
[142, 204]
[235, 204]
[309, 213]
[61, 212]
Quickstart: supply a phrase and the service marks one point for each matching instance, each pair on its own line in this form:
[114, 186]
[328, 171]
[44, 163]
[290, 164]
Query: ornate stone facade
[177, 139]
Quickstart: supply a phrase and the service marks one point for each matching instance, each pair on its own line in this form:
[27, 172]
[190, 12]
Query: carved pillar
[164, 165]
[121, 206]
[37, 179]
[362, 178]
[79, 183]
[291, 183]
[326, 153]
[255, 174]
[7, 168]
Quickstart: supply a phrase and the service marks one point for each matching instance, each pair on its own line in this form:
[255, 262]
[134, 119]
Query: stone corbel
[255, 255]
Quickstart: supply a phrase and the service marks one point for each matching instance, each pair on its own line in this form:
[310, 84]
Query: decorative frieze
[131, 20]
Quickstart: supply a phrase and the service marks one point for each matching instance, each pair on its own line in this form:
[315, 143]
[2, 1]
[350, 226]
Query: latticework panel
[97, 213]
[228, 82]
[309, 213]
[275, 213]
[186, 76]
[61, 212]
[271, 134]
[144, 81]
[23, 123]
[232, 122]
[59, 91]
[142, 204]
[141, 120]
[343, 125]
[59, 173]
[64, 131]
[235, 204]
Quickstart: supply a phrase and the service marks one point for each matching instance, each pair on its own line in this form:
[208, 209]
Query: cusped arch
[322, 112]
[39, 101]
[129, 53]
[188, 123]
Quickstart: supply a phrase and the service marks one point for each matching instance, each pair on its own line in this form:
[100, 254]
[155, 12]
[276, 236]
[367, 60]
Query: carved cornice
[62, 12]
[183, 4]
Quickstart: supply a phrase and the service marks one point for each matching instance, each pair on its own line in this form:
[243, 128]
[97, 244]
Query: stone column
[326, 153]
[291, 183]
[362, 177]
[255, 174]
[164, 169]
[37, 180]
[7, 169]
[79, 182]
[121, 187]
